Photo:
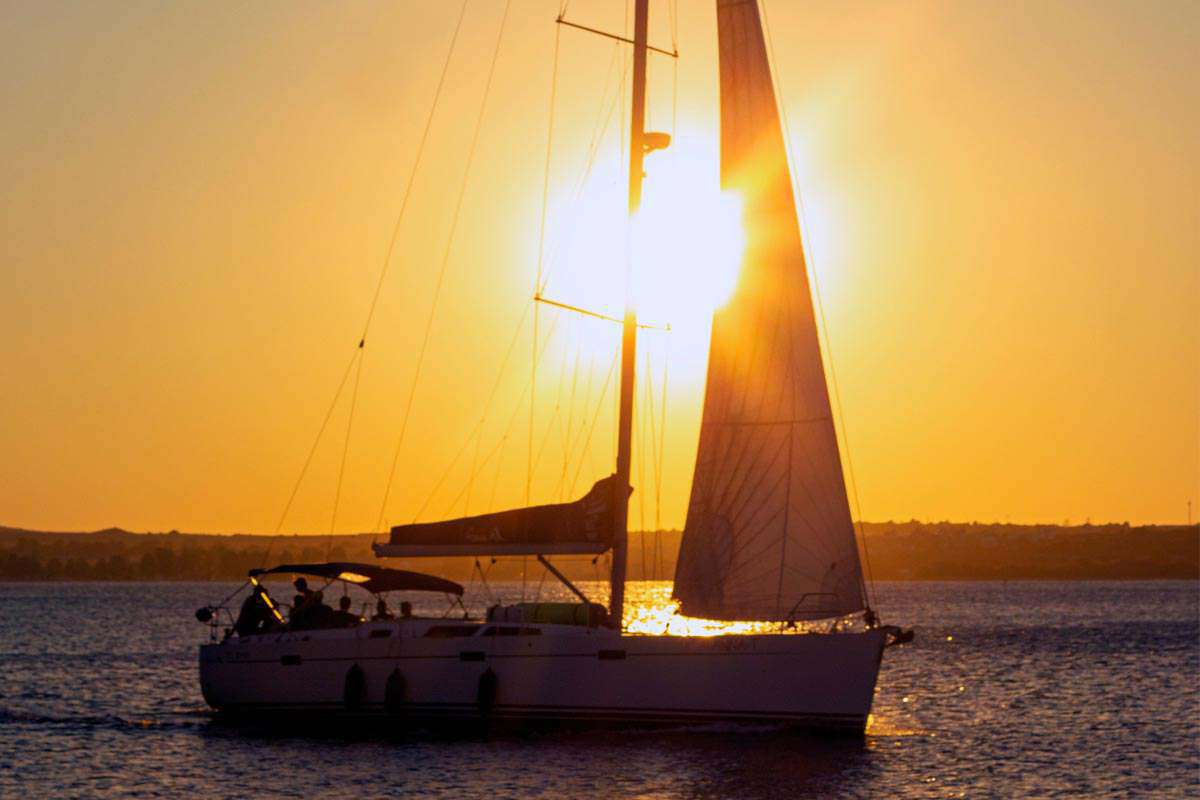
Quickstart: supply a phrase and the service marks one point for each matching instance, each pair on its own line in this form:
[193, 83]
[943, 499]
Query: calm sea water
[1010, 690]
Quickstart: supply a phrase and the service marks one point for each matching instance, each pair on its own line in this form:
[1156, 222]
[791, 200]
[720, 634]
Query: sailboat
[768, 538]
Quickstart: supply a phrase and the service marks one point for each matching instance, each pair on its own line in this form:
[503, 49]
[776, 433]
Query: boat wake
[171, 720]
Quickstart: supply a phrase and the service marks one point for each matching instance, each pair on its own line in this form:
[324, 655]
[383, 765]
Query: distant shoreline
[896, 551]
[283, 581]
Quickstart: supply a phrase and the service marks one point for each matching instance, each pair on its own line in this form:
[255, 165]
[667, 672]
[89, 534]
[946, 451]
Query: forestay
[769, 534]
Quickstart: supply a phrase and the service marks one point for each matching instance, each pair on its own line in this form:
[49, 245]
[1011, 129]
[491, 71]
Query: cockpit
[261, 613]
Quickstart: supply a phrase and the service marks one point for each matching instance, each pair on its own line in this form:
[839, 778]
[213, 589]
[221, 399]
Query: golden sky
[1001, 208]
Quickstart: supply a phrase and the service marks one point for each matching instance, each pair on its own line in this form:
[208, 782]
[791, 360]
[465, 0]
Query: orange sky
[1001, 207]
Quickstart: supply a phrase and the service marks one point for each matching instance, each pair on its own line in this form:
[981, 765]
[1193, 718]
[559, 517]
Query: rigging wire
[337, 495]
[656, 450]
[499, 447]
[471, 476]
[445, 261]
[308, 459]
[550, 430]
[673, 16]
[603, 120]
[662, 456]
[496, 476]
[573, 437]
[624, 121]
[537, 284]
[566, 489]
[647, 404]
[437, 94]
[565, 419]
[655, 464]
[570, 421]
[487, 405]
[537, 280]
[507, 430]
[869, 585]
[555, 416]
[375, 297]
[599, 408]
[673, 9]
[478, 429]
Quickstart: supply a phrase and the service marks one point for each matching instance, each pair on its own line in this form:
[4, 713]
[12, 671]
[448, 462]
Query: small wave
[889, 729]
[150, 721]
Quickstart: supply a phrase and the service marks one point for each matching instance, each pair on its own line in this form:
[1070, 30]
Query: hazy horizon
[314, 534]
[1001, 207]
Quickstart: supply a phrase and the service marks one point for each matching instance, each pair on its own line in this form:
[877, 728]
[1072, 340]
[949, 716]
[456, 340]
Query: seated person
[304, 594]
[318, 612]
[406, 610]
[343, 618]
[297, 610]
[382, 612]
[255, 614]
[311, 613]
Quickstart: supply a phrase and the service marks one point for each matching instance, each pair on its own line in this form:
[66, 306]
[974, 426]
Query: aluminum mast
[637, 152]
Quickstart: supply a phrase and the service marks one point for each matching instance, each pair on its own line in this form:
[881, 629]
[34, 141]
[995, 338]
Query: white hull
[561, 674]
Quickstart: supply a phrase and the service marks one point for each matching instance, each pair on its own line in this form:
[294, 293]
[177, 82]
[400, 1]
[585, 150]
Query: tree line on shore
[894, 551]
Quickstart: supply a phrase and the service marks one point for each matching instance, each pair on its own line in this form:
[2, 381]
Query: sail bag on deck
[768, 534]
[584, 526]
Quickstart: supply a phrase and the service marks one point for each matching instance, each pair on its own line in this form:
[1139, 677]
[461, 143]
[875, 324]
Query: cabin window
[450, 631]
[510, 630]
[500, 630]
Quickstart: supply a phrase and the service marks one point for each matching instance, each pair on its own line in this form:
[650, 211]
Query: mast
[637, 152]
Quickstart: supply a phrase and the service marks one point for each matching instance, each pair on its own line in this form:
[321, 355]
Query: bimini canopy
[369, 577]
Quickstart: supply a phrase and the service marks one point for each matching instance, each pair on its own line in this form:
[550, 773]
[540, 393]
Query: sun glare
[686, 244]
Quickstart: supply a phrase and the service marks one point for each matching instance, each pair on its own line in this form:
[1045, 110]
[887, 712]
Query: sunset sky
[1002, 206]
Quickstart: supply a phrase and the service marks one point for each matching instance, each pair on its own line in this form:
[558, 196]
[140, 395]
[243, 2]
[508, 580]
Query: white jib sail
[769, 534]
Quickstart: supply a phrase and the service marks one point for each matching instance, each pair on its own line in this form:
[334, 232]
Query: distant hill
[896, 550]
[991, 551]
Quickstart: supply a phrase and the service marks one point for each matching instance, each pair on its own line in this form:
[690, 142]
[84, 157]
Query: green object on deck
[592, 614]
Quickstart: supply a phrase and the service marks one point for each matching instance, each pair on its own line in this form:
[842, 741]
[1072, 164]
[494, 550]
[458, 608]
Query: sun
[686, 241]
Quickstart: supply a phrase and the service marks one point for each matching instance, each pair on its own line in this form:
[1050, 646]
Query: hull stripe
[588, 712]
[457, 656]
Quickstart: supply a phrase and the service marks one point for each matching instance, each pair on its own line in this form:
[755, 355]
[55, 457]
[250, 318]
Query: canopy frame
[372, 578]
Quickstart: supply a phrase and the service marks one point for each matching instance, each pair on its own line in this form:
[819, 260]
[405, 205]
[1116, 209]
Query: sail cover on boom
[768, 534]
[584, 526]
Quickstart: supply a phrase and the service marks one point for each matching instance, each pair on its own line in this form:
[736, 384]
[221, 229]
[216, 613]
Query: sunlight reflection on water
[652, 611]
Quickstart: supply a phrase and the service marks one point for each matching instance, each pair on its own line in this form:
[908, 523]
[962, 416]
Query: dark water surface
[1010, 690]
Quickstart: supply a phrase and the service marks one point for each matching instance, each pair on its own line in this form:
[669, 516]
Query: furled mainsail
[769, 534]
[582, 526]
